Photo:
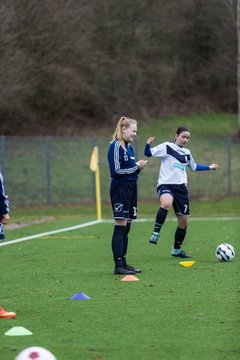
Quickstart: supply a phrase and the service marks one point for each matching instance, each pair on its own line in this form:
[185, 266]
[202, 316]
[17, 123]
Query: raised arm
[147, 150]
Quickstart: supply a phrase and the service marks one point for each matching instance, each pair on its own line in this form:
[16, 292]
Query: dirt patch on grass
[19, 225]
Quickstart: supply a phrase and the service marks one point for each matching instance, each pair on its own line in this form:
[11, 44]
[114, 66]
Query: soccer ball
[35, 353]
[225, 252]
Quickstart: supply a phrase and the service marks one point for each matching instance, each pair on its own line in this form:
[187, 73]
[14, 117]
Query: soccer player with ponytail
[124, 172]
[172, 184]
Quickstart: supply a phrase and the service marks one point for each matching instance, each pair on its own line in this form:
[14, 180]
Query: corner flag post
[94, 166]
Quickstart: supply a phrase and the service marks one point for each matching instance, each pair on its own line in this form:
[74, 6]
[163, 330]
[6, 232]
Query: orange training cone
[129, 278]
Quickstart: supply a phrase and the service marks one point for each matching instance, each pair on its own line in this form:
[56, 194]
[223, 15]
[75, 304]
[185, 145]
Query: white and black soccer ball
[225, 252]
[35, 353]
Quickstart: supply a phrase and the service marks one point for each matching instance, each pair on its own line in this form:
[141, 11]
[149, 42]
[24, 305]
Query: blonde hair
[118, 134]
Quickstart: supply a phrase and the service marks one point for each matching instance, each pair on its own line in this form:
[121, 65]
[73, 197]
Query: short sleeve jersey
[174, 160]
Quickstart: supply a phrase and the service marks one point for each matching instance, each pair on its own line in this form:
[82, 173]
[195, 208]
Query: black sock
[179, 237]
[125, 243]
[117, 244]
[160, 219]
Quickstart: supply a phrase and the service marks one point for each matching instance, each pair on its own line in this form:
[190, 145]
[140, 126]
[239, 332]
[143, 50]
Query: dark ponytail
[182, 129]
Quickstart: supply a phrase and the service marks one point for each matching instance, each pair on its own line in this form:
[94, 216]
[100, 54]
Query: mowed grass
[172, 312]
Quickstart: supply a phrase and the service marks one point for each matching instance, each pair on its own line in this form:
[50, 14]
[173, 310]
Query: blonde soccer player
[124, 171]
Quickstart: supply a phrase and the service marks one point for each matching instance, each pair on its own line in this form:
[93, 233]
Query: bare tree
[87, 60]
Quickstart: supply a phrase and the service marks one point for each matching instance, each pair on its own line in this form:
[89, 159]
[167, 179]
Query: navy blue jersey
[4, 203]
[122, 162]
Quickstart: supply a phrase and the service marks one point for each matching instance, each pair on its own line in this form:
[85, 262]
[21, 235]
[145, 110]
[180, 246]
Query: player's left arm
[200, 167]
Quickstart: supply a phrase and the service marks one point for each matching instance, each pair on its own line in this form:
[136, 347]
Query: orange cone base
[129, 278]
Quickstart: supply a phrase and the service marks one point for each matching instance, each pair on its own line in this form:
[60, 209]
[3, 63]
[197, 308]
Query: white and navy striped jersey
[122, 162]
[174, 160]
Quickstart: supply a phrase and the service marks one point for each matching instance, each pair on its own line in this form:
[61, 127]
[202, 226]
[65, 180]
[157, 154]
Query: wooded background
[78, 62]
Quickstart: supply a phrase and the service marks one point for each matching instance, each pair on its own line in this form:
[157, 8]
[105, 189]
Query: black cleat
[123, 271]
[180, 253]
[129, 267]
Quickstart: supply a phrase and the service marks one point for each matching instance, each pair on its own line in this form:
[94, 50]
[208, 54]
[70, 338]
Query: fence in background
[51, 170]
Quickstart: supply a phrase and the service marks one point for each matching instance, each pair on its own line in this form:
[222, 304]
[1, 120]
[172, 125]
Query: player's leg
[181, 208]
[117, 241]
[166, 201]
[120, 213]
[132, 216]
[125, 242]
[125, 247]
[180, 235]
[181, 230]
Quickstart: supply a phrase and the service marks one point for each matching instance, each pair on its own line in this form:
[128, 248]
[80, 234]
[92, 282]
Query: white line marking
[106, 221]
[210, 218]
[50, 233]
[229, 218]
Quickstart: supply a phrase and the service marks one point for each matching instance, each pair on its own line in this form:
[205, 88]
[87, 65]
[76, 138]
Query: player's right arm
[150, 140]
[147, 150]
[156, 151]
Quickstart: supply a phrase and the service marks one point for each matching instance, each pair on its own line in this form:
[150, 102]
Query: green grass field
[172, 312]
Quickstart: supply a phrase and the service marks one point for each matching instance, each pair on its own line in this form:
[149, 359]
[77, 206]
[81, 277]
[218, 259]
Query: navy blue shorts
[124, 200]
[180, 197]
